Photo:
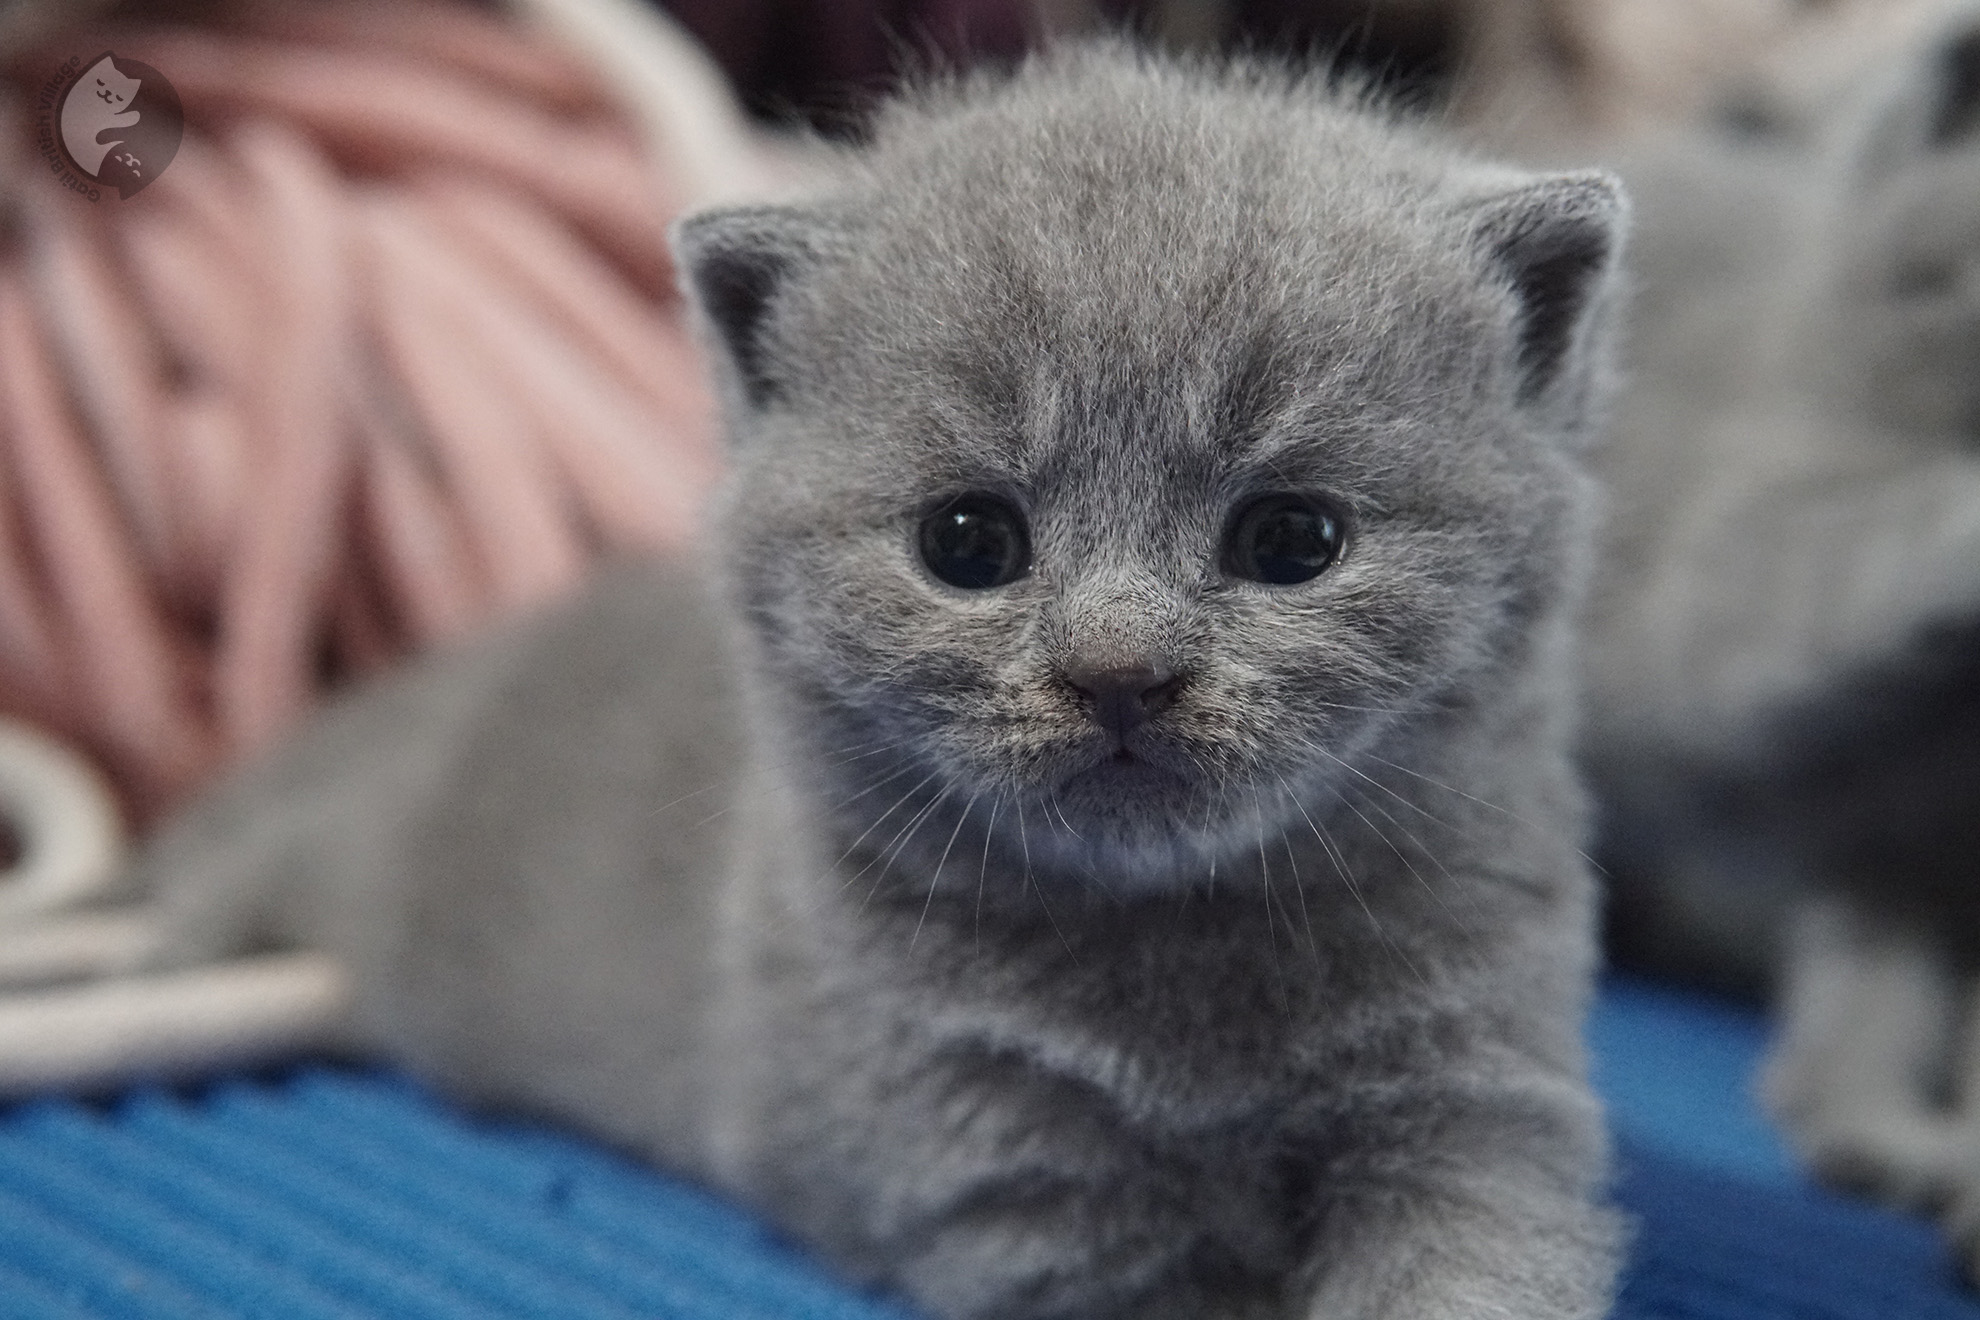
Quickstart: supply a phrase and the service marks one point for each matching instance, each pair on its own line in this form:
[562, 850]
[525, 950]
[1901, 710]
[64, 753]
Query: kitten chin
[1141, 825]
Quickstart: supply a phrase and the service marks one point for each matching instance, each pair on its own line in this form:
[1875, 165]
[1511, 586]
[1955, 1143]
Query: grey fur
[1886, 1095]
[1782, 654]
[825, 887]
[1791, 556]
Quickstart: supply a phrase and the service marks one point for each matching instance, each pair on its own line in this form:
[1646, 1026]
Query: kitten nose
[1123, 697]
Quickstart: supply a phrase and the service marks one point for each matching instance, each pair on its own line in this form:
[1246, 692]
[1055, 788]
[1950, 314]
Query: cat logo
[112, 120]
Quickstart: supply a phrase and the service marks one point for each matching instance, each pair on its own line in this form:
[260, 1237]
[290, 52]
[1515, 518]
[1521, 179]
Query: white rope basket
[61, 812]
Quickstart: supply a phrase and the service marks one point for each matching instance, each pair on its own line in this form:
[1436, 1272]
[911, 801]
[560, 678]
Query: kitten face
[1129, 345]
[1902, 306]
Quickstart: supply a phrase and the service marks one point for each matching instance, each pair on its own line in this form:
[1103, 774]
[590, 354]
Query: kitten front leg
[1015, 1196]
[1450, 1223]
[1471, 1208]
[1867, 1027]
[1960, 1216]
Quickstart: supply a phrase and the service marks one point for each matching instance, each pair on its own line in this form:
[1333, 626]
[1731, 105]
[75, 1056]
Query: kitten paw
[1900, 1160]
[1960, 1221]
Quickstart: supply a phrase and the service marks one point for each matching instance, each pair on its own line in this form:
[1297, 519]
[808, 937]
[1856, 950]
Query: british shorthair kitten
[1096, 836]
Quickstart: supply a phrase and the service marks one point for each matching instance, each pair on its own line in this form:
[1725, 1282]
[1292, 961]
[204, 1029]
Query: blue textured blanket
[333, 1193]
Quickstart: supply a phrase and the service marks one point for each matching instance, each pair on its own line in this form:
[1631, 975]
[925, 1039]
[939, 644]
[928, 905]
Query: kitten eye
[1284, 539]
[976, 542]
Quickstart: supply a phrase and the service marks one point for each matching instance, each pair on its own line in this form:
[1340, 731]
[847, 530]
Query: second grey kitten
[1785, 715]
[1106, 847]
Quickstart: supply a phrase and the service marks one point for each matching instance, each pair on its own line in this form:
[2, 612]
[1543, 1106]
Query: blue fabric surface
[1677, 1072]
[1727, 1228]
[339, 1193]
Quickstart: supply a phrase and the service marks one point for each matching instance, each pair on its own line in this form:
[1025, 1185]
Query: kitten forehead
[1132, 213]
[1233, 266]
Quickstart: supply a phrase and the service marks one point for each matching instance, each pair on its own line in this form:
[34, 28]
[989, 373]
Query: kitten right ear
[733, 263]
[1929, 103]
[1556, 241]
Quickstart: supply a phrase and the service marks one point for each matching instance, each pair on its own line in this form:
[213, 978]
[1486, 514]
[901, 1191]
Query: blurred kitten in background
[1784, 723]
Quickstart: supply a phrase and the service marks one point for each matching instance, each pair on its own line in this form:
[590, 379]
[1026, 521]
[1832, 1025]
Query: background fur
[1785, 707]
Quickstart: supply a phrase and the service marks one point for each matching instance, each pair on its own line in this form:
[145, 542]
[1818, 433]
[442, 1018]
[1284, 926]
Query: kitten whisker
[779, 765]
[1437, 783]
[818, 772]
[1052, 797]
[895, 847]
[983, 867]
[1428, 888]
[1507, 812]
[1031, 884]
[1039, 890]
[1223, 801]
[1024, 838]
[817, 902]
[1299, 891]
[1299, 884]
[1359, 710]
[936, 879]
[1460, 885]
[1339, 862]
[1271, 922]
[883, 780]
[1422, 847]
[1086, 870]
[853, 847]
[1107, 891]
[1359, 773]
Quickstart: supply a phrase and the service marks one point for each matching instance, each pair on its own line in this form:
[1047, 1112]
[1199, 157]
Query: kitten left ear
[1957, 112]
[1556, 242]
[733, 264]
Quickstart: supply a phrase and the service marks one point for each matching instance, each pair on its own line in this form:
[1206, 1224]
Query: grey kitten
[1878, 1075]
[1785, 705]
[1790, 564]
[1106, 844]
